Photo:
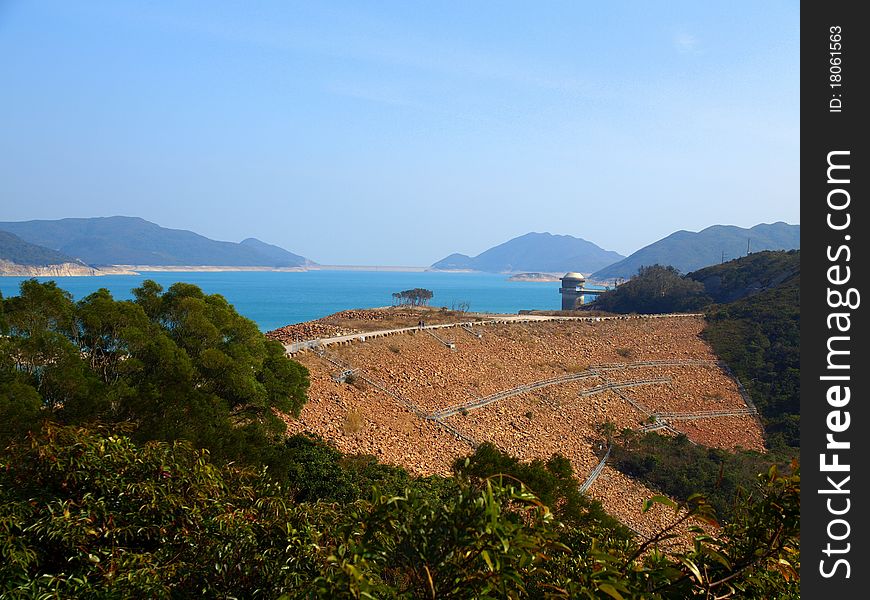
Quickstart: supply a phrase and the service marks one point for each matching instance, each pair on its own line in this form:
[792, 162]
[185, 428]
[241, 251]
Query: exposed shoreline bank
[15, 270]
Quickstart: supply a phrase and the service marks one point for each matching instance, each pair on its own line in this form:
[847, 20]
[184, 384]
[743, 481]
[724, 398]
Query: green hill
[135, 241]
[759, 337]
[749, 275]
[689, 251]
[16, 250]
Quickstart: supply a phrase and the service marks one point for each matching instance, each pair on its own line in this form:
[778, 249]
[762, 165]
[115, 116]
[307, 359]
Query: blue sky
[399, 132]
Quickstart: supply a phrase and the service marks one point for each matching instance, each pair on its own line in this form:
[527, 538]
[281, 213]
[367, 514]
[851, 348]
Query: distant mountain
[22, 259]
[542, 252]
[135, 241]
[275, 253]
[690, 251]
[18, 251]
[455, 262]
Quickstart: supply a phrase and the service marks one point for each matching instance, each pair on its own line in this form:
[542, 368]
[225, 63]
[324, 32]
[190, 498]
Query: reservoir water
[273, 299]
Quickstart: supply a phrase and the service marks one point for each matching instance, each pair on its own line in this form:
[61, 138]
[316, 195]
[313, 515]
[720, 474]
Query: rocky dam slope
[423, 398]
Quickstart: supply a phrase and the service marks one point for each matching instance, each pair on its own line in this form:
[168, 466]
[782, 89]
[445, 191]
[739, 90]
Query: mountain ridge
[689, 251]
[121, 240]
[541, 252]
[21, 252]
[21, 258]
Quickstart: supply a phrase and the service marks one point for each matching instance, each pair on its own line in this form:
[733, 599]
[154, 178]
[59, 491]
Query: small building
[572, 290]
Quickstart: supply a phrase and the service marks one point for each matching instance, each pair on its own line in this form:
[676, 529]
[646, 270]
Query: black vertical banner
[835, 421]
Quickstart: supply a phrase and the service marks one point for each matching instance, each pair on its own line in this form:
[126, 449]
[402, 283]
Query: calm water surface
[274, 299]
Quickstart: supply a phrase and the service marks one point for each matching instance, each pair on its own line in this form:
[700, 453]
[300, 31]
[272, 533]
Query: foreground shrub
[92, 514]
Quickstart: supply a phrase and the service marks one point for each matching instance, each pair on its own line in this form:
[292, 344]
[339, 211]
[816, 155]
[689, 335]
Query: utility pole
[748, 246]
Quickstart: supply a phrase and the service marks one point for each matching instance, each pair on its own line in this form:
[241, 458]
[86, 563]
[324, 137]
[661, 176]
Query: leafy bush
[552, 481]
[94, 514]
[680, 469]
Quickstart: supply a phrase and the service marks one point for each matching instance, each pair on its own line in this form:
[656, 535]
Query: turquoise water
[273, 299]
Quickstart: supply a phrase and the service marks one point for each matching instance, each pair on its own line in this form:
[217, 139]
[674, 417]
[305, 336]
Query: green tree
[43, 344]
[414, 297]
[655, 289]
[178, 365]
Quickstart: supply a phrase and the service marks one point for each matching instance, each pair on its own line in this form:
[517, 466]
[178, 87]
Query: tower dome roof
[574, 275]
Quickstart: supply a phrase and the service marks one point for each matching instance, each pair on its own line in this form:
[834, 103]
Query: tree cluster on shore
[414, 297]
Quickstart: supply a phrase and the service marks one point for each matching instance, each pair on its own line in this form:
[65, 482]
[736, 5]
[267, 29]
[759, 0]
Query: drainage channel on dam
[660, 419]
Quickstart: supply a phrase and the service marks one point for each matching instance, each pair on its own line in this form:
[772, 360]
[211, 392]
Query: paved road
[295, 347]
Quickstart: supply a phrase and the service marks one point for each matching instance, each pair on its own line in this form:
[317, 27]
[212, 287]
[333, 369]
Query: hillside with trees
[689, 251]
[88, 513]
[747, 276]
[133, 241]
[16, 250]
[759, 337]
[142, 457]
[655, 290]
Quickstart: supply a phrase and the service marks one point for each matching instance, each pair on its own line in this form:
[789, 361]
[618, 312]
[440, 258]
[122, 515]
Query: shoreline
[102, 270]
[89, 271]
[224, 268]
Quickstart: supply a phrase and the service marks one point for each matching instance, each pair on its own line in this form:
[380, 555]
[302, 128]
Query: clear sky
[399, 132]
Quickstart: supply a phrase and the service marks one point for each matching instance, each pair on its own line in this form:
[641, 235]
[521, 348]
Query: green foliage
[178, 365]
[367, 473]
[316, 471]
[20, 404]
[680, 469]
[44, 351]
[414, 297]
[478, 544]
[39, 309]
[759, 338]
[93, 514]
[655, 289]
[552, 481]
